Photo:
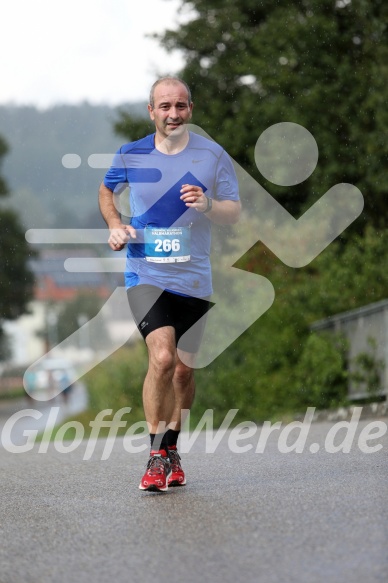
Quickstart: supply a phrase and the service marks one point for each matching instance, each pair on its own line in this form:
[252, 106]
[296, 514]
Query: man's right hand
[120, 235]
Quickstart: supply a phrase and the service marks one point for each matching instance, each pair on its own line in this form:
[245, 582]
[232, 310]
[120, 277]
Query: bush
[117, 382]
[321, 375]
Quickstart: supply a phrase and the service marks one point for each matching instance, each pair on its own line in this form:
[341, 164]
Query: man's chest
[196, 168]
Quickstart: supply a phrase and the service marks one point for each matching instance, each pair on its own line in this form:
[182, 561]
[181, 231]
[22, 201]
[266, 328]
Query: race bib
[167, 245]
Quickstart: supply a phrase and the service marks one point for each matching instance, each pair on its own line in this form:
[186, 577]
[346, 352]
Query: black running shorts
[154, 308]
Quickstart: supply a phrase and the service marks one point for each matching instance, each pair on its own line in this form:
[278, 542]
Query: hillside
[43, 192]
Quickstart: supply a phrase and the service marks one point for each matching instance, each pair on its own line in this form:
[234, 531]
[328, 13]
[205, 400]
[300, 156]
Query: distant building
[54, 284]
[366, 331]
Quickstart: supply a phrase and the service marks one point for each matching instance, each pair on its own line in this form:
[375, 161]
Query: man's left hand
[194, 197]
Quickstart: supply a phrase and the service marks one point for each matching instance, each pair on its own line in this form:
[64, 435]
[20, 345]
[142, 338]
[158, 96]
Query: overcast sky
[96, 50]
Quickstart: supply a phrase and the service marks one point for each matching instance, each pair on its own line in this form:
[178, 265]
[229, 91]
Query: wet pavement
[250, 513]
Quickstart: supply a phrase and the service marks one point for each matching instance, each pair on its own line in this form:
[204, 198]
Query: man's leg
[184, 389]
[167, 396]
[158, 388]
[159, 403]
[169, 386]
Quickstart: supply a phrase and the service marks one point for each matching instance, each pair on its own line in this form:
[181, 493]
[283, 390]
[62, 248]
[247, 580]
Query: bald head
[169, 80]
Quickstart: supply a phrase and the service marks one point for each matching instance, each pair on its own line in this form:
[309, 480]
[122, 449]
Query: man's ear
[150, 111]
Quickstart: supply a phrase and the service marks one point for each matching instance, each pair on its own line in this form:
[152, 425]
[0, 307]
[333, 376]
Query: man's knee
[163, 360]
[162, 351]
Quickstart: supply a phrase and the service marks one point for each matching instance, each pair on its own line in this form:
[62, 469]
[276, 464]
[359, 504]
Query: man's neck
[172, 145]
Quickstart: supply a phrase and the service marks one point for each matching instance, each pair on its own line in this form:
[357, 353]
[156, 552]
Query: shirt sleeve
[226, 179]
[116, 177]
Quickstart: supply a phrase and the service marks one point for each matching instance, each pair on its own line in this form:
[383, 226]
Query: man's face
[171, 109]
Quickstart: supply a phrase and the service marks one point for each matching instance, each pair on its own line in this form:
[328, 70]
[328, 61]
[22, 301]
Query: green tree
[16, 280]
[133, 128]
[319, 63]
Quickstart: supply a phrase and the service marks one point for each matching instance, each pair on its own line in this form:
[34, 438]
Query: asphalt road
[243, 517]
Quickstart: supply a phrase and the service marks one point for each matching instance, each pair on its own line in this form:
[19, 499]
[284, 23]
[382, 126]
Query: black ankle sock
[164, 440]
[158, 441]
[171, 437]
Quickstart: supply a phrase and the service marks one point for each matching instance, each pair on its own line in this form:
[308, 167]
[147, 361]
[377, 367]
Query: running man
[179, 183]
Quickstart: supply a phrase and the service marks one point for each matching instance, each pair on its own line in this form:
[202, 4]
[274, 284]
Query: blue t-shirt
[155, 180]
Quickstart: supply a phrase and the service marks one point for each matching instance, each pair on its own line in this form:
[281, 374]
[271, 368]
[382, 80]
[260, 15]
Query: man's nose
[173, 112]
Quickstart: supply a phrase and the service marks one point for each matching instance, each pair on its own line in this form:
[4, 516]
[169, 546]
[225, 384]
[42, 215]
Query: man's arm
[119, 233]
[223, 212]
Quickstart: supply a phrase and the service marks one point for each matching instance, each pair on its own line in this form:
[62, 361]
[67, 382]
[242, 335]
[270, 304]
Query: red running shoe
[157, 473]
[177, 477]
